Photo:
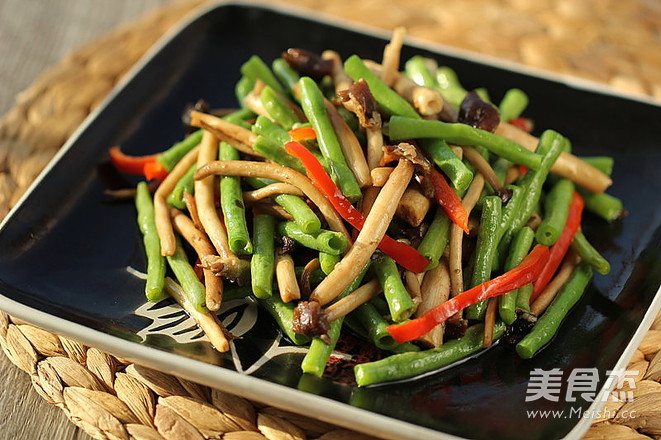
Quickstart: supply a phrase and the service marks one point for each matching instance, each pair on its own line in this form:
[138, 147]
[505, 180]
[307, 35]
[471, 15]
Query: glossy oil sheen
[65, 250]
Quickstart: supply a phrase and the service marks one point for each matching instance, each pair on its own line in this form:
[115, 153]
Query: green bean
[449, 86]
[155, 261]
[287, 76]
[399, 300]
[185, 185]
[436, 238]
[485, 250]
[405, 365]
[416, 69]
[602, 163]
[461, 134]
[231, 203]
[269, 129]
[255, 68]
[170, 157]
[278, 108]
[327, 241]
[513, 104]
[314, 108]
[387, 98]
[233, 291]
[511, 209]
[547, 325]
[276, 153]
[604, 205]
[328, 261]
[556, 210]
[518, 250]
[262, 264]
[240, 117]
[589, 254]
[242, 88]
[187, 278]
[375, 325]
[523, 297]
[500, 168]
[303, 215]
[550, 146]
[283, 313]
[316, 358]
[453, 167]
[483, 94]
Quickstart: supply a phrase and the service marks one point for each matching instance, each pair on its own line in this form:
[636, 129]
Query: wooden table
[33, 36]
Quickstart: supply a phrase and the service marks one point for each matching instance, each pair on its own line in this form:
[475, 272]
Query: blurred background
[50, 49]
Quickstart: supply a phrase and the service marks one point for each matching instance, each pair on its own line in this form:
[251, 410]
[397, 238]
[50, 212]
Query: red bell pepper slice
[449, 200]
[561, 246]
[146, 166]
[301, 134]
[154, 170]
[522, 124]
[526, 272]
[405, 255]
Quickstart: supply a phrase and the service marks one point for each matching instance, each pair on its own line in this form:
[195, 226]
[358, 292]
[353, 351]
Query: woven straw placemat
[113, 399]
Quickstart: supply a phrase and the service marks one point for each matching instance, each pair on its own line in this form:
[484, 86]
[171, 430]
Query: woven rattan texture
[612, 41]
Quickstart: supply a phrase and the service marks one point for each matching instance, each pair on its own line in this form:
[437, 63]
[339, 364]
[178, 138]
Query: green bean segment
[303, 215]
[278, 108]
[547, 325]
[156, 265]
[231, 203]
[399, 300]
[375, 325]
[187, 278]
[436, 238]
[283, 313]
[513, 104]
[262, 264]
[520, 247]
[589, 254]
[449, 86]
[287, 76]
[256, 69]
[387, 98]
[328, 261]
[269, 129]
[170, 157]
[405, 365]
[487, 241]
[314, 107]
[401, 128]
[317, 356]
[327, 241]
[556, 210]
[453, 167]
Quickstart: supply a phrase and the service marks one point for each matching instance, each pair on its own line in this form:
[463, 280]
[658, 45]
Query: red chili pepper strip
[129, 164]
[154, 170]
[522, 124]
[405, 255]
[301, 134]
[561, 246]
[449, 200]
[526, 272]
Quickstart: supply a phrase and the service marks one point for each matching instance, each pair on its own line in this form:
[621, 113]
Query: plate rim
[250, 387]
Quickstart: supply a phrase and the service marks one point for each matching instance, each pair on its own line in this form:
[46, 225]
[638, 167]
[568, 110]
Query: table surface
[33, 36]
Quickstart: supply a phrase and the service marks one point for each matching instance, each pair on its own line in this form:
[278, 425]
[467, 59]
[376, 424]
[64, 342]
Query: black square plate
[66, 247]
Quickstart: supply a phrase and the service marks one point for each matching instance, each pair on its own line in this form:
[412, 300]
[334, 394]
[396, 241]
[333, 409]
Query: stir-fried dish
[352, 196]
